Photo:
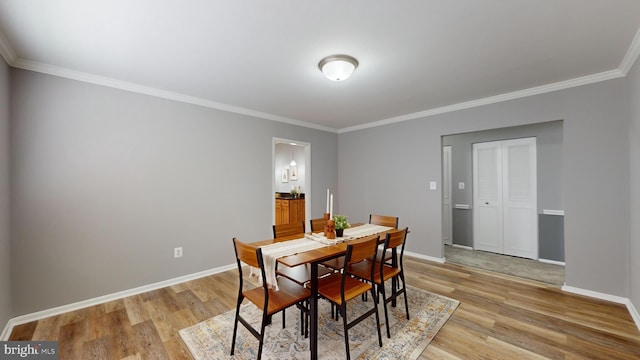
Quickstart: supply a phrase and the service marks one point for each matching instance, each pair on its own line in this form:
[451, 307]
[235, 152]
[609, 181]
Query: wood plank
[148, 340]
[116, 328]
[23, 332]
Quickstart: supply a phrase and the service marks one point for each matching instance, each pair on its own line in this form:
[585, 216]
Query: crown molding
[632, 54]
[151, 91]
[6, 50]
[589, 79]
[8, 53]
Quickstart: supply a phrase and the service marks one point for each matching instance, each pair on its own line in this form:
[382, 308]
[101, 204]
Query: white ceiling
[260, 57]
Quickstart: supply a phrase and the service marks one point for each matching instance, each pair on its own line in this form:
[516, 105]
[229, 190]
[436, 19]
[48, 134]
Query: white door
[505, 197]
[447, 225]
[520, 198]
[487, 197]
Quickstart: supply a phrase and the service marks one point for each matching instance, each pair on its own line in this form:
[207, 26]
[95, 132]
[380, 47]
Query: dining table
[316, 256]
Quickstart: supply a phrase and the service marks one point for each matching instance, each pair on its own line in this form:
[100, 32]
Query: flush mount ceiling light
[338, 67]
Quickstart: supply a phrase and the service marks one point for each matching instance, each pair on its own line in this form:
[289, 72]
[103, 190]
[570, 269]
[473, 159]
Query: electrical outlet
[177, 252]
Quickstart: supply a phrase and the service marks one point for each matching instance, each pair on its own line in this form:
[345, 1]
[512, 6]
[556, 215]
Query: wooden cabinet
[289, 210]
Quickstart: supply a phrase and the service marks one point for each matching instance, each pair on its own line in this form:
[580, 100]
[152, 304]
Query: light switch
[432, 185]
[461, 185]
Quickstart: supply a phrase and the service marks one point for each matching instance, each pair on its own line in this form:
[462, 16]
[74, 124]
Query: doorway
[291, 169]
[550, 203]
[505, 219]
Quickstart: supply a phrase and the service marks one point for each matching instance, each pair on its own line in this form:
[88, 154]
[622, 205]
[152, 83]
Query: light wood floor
[500, 317]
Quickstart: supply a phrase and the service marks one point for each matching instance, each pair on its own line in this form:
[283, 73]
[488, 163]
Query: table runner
[350, 233]
[365, 230]
[271, 253]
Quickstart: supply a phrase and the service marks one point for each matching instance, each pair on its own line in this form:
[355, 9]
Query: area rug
[211, 339]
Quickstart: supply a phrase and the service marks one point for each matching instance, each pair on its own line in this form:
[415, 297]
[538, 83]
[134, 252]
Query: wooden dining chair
[340, 287]
[383, 272]
[300, 274]
[265, 298]
[384, 220]
[317, 225]
[282, 230]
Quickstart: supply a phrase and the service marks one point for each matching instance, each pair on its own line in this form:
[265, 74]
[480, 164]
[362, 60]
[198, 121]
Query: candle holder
[326, 216]
[330, 230]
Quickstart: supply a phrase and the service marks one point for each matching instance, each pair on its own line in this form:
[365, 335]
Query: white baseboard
[424, 257]
[595, 294]
[634, 313]
[462, 246]
[22, 319]
[613, 298]
[554, 262]
[4, 336]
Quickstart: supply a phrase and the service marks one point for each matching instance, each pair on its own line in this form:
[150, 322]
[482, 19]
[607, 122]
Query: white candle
[327, 201]
[331, 208]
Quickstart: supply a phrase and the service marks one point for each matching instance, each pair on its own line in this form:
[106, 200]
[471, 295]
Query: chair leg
[304, 318]
[375, 304]
[343, 312]
[404, 291]
[235, 325]
[384, 303]
[262, 326]
[394, 291]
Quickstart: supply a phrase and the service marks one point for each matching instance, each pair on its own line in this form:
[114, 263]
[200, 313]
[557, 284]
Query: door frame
[447, 190]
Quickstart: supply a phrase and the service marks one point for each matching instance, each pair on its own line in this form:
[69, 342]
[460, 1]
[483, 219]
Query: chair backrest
[318, 224]
[361, 249]
[251, 256]
[246, 254]
[383, 220]
[282, 230]
[395, 238]
[358, 250]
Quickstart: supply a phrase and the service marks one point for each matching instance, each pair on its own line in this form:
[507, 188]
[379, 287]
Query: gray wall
[105, 183]
[549, 161]
[387, 169]
[634, 180]
[5, 244]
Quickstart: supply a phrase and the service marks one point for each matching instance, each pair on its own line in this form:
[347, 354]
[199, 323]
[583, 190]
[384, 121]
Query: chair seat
[329, 288]
[301, 273]
[363, 271]
[289, 294]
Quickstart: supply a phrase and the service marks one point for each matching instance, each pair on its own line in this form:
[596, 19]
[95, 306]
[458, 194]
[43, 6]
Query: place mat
[211, 339]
